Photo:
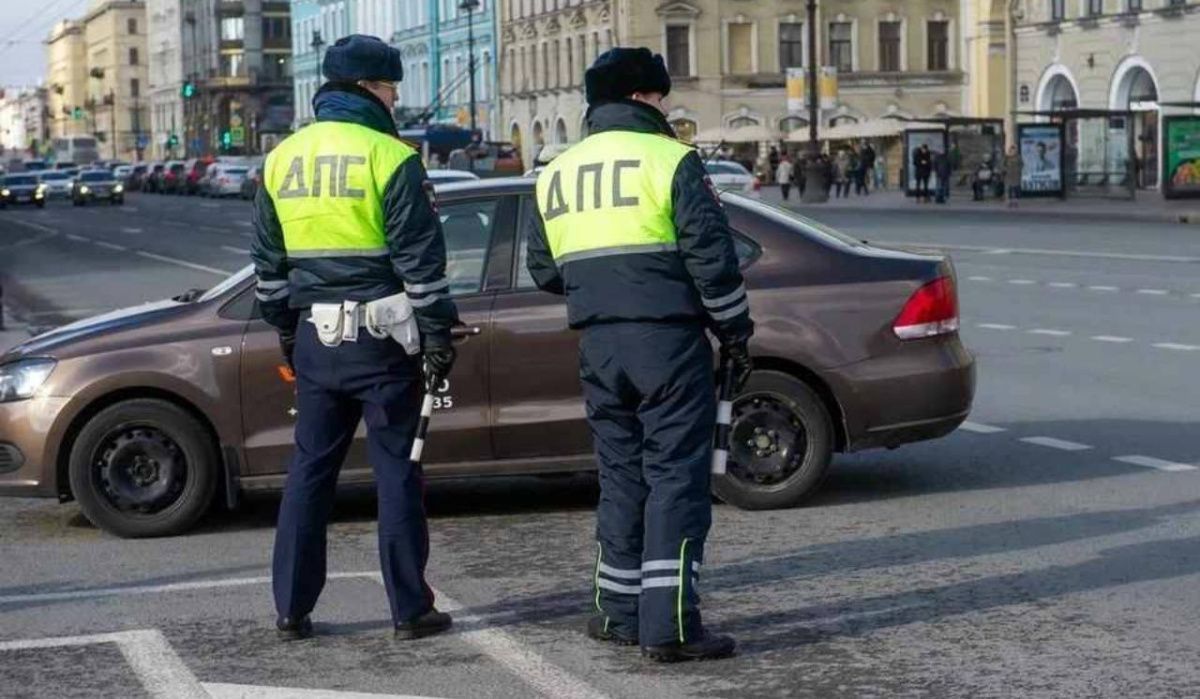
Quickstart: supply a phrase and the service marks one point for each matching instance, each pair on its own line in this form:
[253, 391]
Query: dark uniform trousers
[336, 387]
[651, 406]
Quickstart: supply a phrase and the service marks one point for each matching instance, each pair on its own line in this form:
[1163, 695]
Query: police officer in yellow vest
[634, 235]
[351, 269]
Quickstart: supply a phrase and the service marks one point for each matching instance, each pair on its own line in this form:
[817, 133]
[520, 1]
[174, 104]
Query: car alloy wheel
[140, 470]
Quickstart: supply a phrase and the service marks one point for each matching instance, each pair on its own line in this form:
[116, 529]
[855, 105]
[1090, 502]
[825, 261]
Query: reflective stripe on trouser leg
[618, 442]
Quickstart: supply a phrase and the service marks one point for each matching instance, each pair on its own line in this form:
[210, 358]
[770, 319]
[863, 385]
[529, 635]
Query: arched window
[560, 131]
[514, 135]
[685, 129]
[539, 138]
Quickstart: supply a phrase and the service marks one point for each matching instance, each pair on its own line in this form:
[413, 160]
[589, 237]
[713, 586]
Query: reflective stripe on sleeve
[736, 295]
[661, 564]
[270, 284]
[618, 587]
[425, 301]
[672, 581]
[425, 288]
[731, 312]
[339, 252]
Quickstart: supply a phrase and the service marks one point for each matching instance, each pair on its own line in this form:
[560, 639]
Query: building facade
[67, 79]
[433, 38]
[985, 51]
[164, 42]
[23, 123]
[115, 36]
[545, 47]
[315, 25]
[12, 123]
[1110, 55]
[237, 56]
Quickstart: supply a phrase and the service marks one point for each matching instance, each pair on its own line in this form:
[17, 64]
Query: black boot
[427, 624]
[289, 629]
[597, 629]
[707, 647]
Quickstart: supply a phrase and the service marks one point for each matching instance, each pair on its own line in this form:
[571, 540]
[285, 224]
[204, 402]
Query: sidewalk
[1148, 207]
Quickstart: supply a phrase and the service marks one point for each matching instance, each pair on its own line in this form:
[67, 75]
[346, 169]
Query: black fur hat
[620, 72]
[361, 57]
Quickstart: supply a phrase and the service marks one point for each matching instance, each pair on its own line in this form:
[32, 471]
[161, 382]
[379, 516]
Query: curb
[1191, 218]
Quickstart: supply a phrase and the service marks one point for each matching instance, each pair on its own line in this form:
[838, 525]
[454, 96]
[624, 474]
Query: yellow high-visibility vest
[327, 183]
[611, 195]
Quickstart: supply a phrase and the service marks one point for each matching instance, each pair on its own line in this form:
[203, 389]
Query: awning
[872, 128]
[753, 133]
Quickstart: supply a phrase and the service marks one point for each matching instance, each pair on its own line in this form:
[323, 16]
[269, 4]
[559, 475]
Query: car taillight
[931, 310]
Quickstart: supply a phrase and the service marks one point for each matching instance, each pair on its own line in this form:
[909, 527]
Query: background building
[237, 59]
[1110, 55]
[544, 49]
[115, 35]
[985, 53]
[164, 42]
[316, 24]
[67, 78]
[23, 122]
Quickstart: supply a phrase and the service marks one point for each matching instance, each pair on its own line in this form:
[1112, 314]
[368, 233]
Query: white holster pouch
[391, 316]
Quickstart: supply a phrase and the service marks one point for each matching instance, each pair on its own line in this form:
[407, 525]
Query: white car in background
[224, 180]
[447, 176]
[58, 183]
[728, 176]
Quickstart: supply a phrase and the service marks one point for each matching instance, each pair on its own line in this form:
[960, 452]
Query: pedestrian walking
[842, 172]
[868, 158]
[773, 159]
[941, 168]
[922, 163]
[351, 269]
[880, 170]
[1012, 176]
[783, 175]
[647, 265]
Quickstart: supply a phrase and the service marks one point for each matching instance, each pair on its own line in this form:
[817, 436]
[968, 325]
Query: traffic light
[188, 90]
[226, 139]
[172, 140]
[77, 113]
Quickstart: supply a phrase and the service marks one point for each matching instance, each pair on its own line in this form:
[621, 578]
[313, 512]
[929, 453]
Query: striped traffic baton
[431, 382]
[720, 455]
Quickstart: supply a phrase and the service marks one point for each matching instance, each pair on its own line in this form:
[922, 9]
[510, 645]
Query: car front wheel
[781, 444]
[143, 468]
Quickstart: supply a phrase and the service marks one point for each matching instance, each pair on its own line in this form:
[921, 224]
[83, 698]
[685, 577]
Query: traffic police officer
[632, 232]
[344, 217]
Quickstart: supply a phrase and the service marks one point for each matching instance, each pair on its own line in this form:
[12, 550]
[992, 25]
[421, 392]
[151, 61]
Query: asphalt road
[1051, 548]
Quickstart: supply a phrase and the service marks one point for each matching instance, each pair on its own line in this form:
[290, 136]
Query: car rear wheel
[781, 444]
[143, 468]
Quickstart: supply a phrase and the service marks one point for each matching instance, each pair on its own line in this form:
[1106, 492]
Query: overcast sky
[24, 25]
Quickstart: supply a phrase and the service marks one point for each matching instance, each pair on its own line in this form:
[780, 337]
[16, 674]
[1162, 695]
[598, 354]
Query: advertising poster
[1181, 157]
[914, 139]
[1041, 147]
[797, 88]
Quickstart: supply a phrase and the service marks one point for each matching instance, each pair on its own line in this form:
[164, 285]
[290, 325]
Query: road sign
[237, 136]
[235, 121]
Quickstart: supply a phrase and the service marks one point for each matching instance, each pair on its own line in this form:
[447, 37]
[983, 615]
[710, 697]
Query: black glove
[287, 345]
[738, 355]
[439, 359]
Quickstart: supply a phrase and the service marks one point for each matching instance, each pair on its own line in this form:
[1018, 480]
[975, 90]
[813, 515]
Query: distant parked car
[174, 177]
[225, 180]
[136, 179]
[729, 176]
[153, 181]
[195, 169]
[97, 185]
[447, 176]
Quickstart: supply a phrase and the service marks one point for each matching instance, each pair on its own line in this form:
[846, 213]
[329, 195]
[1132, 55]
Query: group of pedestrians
[938, 166]
[854, 167]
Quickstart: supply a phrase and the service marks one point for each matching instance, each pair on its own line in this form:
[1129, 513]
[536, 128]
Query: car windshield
[20, 179]
[230, 282]
[725, 168]
[60, 175]
[792, 219]
[95, 176]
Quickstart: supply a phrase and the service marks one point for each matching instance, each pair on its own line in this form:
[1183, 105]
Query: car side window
[468, 227]
[746, 250]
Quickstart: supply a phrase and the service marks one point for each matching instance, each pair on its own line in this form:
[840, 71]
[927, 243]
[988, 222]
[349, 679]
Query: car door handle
[464, 331]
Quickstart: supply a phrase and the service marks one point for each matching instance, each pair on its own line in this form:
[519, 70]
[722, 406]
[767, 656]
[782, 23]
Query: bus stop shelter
[1098, 150]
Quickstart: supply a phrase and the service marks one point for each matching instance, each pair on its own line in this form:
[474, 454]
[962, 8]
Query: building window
[889, 46]
[135, 88]
[133, 56]
[841, 46]
[570, 62]
[679, 49]
[740, 36]
[233, 65]
[1133, 5]
[277, 67]
[131, 25]
[276, 29]
[1058, 10]
[232, 29]
[791, 45]
[939, 45]
[1095, 8]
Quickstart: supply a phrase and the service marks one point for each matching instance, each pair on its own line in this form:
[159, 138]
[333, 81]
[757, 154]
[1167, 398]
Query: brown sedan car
[145, 416]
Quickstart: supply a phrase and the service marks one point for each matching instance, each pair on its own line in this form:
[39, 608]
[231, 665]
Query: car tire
[41, 205]
[143, 439]
[796, 463]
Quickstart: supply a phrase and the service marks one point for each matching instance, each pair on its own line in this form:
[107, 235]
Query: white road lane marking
[219, 690]
[526, 664]
[35, 226]
[130, 229]
[980, 428]
[1053, 443]
[128, 590]
[1196, 296]
[1101, 287]
[990, 250]
[78, 238]
[160, 670]
[1117, 339]
[247, 224]
[1153, 292]
[995, 326]
[1151, 462]
[110, 246]
[184, 263]
[1176, 346]
[1052, 333]
[980, 279]
[997, 251]
[236, 251]
[1021, 282]
[1062, 285]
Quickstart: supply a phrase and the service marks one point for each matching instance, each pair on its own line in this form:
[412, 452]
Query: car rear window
[725, 168]
[95, 176]
[20, 179]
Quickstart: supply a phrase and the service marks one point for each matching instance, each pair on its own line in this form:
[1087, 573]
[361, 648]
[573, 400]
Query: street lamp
[317, 44]
[816, 188]
[470, 6]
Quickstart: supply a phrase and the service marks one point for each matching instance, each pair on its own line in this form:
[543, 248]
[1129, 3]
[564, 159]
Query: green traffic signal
[226, 139]
[77, 113]
[189, 90]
